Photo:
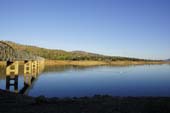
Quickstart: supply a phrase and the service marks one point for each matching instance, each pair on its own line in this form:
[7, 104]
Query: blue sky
[132, 28]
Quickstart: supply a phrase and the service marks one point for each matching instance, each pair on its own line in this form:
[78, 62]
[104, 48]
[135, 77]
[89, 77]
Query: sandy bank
[96, 63]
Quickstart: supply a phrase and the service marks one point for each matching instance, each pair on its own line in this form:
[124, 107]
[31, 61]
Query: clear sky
[132, 28]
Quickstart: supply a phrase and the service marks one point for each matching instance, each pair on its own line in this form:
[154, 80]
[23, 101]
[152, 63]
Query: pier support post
[12, 71]
[12, 68]
[34, 68]
[27, 67]
[28, 72]
[27, 79]
[12, 82]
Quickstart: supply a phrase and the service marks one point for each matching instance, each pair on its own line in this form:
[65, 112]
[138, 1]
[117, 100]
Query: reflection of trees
[66, 68]
[2, 72]
[46, 69]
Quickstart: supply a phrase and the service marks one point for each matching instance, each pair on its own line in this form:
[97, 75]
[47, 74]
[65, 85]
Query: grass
[2, 63]
[97, 63]
[94, 63]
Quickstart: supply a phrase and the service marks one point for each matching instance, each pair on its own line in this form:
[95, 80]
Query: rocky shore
[16, 103]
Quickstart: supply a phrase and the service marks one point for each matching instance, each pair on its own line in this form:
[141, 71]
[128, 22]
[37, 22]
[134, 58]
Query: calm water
[70, 81]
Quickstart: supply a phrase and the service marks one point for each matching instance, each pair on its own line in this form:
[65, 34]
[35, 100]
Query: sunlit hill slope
[54, 54]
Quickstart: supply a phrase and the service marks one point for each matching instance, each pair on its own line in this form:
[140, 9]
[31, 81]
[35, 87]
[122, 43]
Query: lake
[74, 81]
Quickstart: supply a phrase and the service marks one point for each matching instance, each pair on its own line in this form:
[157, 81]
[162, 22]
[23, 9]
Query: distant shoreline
[96, 63]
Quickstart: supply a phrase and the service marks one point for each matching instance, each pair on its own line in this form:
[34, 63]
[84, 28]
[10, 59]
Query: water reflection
[30, 71]
[13, 79]
[65, 68]
[70, 81]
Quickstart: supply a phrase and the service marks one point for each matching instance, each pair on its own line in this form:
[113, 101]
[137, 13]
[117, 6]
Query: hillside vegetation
[54, 54]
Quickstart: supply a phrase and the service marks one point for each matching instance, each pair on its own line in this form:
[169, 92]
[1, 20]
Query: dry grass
[136, 63]
[2, 63]
[78, 63]
[93, 63]
[96, 63]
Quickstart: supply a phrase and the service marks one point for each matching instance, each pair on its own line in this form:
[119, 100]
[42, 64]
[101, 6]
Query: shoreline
[94, 63]
[100, 63]
[92, 104]
[12, 102]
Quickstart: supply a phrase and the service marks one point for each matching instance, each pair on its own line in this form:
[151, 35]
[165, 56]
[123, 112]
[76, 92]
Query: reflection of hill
[46, 69]
[65, 68]
[2, 72]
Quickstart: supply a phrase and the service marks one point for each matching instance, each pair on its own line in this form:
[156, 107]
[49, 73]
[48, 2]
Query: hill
[54, 54]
